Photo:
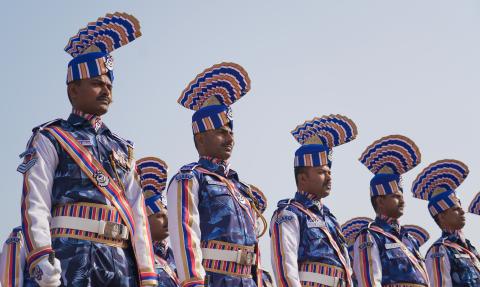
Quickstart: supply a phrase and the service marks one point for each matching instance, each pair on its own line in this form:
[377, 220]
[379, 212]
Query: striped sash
[458, 247]
[332, 242]
[96, 173]
[410, 256]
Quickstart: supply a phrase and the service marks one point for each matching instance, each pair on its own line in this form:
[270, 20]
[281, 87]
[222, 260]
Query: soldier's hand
[47, 273]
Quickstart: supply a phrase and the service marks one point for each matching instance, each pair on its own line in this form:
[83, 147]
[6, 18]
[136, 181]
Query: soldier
[153, 178]
[308, 248]
[451, 260]
[385, 254]
[354, 226]
[83, 213]
[212, 215]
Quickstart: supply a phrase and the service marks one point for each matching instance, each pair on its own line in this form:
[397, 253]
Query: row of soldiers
[93, 216]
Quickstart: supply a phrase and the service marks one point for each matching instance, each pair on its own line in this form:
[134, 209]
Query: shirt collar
[454, 235]
[160, 248]
[388, 224]
[78, 117]
[310, 200]
[216, 165]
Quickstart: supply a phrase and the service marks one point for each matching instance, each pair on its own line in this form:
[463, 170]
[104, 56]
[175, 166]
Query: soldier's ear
[72, 91]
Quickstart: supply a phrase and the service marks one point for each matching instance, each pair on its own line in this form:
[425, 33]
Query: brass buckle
[246, 258]
[114, 230]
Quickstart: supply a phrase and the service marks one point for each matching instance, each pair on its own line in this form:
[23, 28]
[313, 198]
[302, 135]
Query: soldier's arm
[38, 168]
[141, 241]
[366, 263]
[285, 233]
[12, 261]
[438, 266]
[184, 229]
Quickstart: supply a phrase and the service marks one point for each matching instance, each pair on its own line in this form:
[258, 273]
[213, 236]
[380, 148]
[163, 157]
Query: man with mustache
[308, 248]
[385, 253]
[83, 213]
[153, 178]
[451, 260]
[212, 215]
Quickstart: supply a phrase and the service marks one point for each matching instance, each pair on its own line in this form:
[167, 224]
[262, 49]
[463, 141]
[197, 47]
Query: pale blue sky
[408, 67]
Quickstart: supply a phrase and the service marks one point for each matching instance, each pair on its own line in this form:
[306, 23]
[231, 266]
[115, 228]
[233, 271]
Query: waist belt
[238, 256]
[228, 258]
[105, 228]
[89, 221]
[323, 279]
[321, 273]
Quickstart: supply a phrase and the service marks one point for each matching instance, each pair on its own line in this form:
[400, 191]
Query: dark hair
[373, 200]
[298, 170]
[76, 83]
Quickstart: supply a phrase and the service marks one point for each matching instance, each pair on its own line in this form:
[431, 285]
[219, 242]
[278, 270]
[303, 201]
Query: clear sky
[407, 67]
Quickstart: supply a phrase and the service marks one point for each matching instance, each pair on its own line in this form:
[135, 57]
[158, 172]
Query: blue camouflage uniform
[86, 257]
[165, 265]
[225, 221]
[314, 249]
[385, 259]
[449, 266]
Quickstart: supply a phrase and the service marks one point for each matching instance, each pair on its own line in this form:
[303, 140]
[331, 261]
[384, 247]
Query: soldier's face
[391, 205]
[92, 96]
[317, 180]
[452, 218]
[159, 225]
[216, 143]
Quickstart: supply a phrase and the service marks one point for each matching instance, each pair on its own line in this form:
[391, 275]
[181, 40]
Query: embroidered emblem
[183, 176]
[12, 240]
[364, 245]
[101, 179]
[109, 63]
[283, 219]
[29, 160]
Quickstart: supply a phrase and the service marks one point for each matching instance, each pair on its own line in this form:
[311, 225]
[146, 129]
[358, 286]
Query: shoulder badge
[184, 176]
[283, 219]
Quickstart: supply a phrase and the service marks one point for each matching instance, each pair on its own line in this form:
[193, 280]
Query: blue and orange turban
[475, 205]
[388, 158]
[437, 184]
[319, 136]
[153, 178]
[212, 93]
[92, 45]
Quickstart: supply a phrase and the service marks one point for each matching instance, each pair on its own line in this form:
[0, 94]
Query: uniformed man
[308, 248]
[451, 260]
[153, 178]
[212, 215]
[83, 213]
[385, 254]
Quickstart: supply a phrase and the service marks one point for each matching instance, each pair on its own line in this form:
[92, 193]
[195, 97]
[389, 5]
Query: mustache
[105, 97]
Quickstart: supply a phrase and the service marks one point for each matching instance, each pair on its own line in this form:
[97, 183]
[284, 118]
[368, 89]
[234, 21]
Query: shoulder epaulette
[125, 141]
[189, 167]
[44, 125]
[284, 203]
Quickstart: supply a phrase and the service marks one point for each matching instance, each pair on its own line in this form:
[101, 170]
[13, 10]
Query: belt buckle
[113, 230]
[246, 258]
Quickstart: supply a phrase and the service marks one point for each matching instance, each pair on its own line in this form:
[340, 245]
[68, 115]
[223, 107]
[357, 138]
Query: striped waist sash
[231, 268]
[92, 211]
[320, 274]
